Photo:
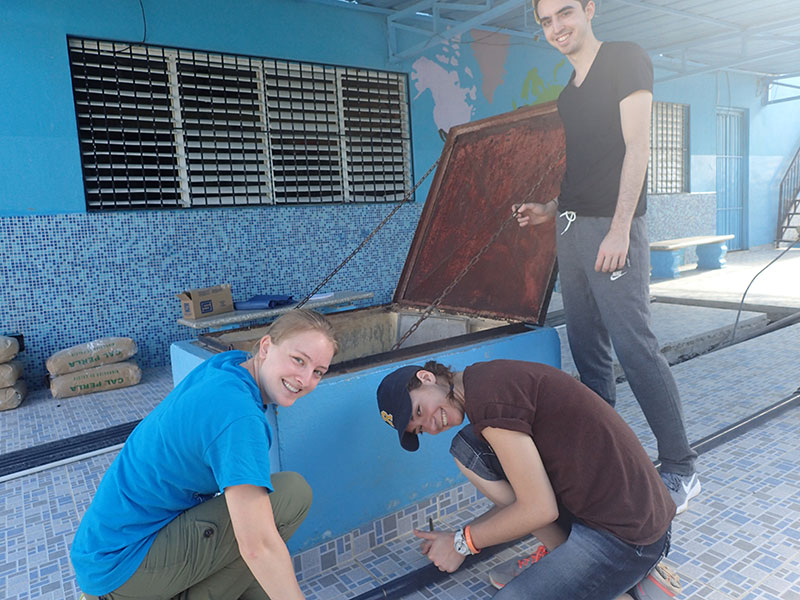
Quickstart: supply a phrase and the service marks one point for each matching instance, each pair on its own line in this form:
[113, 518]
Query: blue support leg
[665, 263]
[711, 256]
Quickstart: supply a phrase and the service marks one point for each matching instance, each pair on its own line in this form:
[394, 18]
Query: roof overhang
[683, 37]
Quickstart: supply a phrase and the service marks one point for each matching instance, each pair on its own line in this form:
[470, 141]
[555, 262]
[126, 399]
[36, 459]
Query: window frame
[343, 145]
[668, 168]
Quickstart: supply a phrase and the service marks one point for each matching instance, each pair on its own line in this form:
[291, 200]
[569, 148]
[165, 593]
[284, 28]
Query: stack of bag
[12, 388]
[96, 366]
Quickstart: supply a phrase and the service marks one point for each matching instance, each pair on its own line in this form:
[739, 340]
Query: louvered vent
[125, 124]
[167, 128]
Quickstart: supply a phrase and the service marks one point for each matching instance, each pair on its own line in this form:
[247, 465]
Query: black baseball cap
[394, 404]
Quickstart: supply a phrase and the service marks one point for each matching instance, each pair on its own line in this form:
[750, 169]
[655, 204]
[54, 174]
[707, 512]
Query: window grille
[668, 169]
[305, 132]
[169, 128]
[374, 118]
[223, 130]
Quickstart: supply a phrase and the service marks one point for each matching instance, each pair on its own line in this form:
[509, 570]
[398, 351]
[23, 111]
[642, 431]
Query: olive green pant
[196, 557]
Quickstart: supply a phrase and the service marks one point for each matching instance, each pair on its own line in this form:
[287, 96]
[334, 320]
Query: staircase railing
[789, 201]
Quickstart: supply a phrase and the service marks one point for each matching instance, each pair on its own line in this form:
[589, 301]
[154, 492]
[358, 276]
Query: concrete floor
[778, 287]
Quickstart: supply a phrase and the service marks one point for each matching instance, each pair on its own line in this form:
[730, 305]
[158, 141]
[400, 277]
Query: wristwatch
[460, 543]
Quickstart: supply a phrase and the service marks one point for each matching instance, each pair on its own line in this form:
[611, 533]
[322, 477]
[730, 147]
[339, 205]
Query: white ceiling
[683, 37]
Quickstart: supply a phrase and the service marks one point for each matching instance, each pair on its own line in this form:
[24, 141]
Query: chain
[427, 312]
[369, 237]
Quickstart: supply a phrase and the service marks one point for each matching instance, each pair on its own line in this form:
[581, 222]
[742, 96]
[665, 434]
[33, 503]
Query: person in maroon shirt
[557, 461]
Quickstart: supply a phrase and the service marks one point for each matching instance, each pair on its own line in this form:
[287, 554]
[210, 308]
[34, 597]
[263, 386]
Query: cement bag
[9, 373]
[96, 379]
[92, 354]
[9, 347]
[12, 397]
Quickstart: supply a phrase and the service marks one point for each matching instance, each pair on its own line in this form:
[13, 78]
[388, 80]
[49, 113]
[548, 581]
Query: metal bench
[666, 255]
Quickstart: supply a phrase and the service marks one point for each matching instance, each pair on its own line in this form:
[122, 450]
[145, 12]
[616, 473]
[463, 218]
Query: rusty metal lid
[486, 167]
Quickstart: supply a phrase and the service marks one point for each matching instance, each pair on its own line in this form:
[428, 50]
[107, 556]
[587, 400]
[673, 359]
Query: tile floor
[739, 540]
[42, 418]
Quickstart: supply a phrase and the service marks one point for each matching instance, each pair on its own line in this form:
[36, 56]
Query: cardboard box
[206, 302]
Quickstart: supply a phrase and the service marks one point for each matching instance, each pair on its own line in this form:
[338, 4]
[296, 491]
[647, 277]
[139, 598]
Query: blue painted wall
[774, 136]
[71, 276]
[40, 161]
[357, 461]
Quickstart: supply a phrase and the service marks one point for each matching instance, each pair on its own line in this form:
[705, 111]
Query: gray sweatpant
[602, 309]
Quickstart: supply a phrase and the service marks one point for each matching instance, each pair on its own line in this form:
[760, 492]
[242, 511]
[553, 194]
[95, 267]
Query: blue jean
[590, 564]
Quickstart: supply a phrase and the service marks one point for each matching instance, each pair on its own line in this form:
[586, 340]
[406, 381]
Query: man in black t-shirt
[603, 251]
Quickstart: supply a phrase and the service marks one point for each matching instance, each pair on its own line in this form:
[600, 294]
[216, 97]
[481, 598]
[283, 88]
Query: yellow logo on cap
[388, 418]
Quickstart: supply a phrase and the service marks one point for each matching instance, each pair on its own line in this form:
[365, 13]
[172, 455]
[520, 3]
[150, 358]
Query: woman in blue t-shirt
[557, 461]
[190, 508]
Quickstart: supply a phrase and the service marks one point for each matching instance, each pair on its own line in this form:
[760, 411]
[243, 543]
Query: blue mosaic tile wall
[68, 279]
[672, 216]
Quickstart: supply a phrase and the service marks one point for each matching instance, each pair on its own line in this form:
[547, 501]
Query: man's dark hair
[536, 7]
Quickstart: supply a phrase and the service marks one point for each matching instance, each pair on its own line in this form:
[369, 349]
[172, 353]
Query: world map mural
[460, 94]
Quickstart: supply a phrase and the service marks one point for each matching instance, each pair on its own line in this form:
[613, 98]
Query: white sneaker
[682, 488]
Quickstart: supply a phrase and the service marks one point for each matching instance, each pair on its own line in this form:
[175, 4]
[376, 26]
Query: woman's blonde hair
[296, 321]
